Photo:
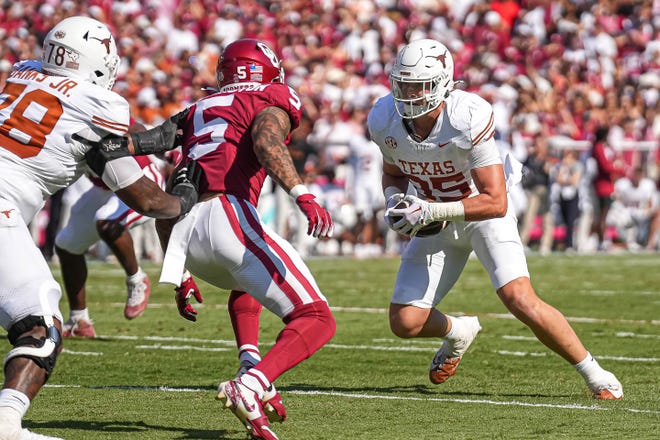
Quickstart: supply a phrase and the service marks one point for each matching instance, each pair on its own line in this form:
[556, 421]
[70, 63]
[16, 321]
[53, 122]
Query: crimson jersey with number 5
[217, 135]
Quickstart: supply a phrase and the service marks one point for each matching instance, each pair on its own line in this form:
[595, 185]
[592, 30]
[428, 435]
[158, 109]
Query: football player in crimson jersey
[236, 137]
[44, 103]
[440, 141]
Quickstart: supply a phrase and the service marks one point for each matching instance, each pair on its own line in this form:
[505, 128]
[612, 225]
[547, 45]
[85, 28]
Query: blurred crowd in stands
[574, 84]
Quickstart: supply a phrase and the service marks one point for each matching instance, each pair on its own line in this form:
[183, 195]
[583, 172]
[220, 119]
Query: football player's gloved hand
[412, 216]
[419, 213]
[320, 223]
[164, 137]
[392, 201]
[183, 294]
[185, 186]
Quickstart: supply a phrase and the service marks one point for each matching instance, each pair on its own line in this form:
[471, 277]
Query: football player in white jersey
[441, 141]
[99, 214]
[43, 104]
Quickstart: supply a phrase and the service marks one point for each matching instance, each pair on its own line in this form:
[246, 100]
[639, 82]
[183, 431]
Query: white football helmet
[421, 78]
[81, 47]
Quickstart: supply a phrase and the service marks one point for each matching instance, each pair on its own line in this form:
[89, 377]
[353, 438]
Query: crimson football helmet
[248, 60]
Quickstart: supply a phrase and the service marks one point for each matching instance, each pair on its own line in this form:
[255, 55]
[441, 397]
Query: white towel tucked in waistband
[174, 261]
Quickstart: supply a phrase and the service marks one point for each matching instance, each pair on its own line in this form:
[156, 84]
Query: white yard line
[477, 401]
[574, 406]
[383, 311]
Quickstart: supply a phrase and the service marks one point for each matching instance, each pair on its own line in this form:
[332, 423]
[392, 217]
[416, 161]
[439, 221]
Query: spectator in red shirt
[607, 172]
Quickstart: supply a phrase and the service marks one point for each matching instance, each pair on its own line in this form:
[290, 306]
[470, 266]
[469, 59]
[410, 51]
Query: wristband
[447, 211]
[298, 190]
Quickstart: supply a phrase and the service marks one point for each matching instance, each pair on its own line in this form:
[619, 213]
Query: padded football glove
[185, 186]
[184, 292]
[320, 223]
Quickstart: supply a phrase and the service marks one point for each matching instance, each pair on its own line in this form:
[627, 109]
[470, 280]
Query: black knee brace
[42, 351]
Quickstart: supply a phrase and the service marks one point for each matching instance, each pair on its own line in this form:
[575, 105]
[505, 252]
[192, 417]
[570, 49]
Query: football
[432, 228]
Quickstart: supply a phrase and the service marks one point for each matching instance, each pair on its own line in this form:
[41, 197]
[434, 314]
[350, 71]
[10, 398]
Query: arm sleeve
[120, 173]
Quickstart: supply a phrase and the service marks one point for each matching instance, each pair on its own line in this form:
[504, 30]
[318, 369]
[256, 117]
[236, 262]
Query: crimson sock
[244, 312]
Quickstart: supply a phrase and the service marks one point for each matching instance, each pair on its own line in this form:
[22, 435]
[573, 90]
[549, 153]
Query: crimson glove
[187, 289]
[319, 219]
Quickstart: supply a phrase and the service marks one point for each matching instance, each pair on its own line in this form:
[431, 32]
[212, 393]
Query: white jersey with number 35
[439, 166]
[38, 115]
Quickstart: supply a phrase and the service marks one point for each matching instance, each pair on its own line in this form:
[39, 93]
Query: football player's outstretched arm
[145, 197]
[161, 138]
[269, 132]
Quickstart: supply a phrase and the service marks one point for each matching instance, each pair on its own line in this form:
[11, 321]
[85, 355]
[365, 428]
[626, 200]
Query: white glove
[411, 218]
[420, 213]
[392, 201]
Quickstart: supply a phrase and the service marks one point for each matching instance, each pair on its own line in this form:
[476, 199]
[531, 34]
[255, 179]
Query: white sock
[454, 332]
[589, 367]
[14, 399]
[77, 315]
[136, 277]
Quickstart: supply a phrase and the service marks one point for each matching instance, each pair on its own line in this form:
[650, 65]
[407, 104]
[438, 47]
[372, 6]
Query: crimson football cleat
[272, 401]
[273, 405]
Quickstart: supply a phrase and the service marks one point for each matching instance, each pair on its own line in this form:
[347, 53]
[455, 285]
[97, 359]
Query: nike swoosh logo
[442, 145]
[417, 210]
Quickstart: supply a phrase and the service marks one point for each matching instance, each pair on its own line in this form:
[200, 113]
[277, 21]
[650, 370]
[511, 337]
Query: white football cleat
[247, 407]
[606, 387]
[272, 401]
[446, 360]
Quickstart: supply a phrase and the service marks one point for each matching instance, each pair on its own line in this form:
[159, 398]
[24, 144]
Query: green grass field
[155, 377]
